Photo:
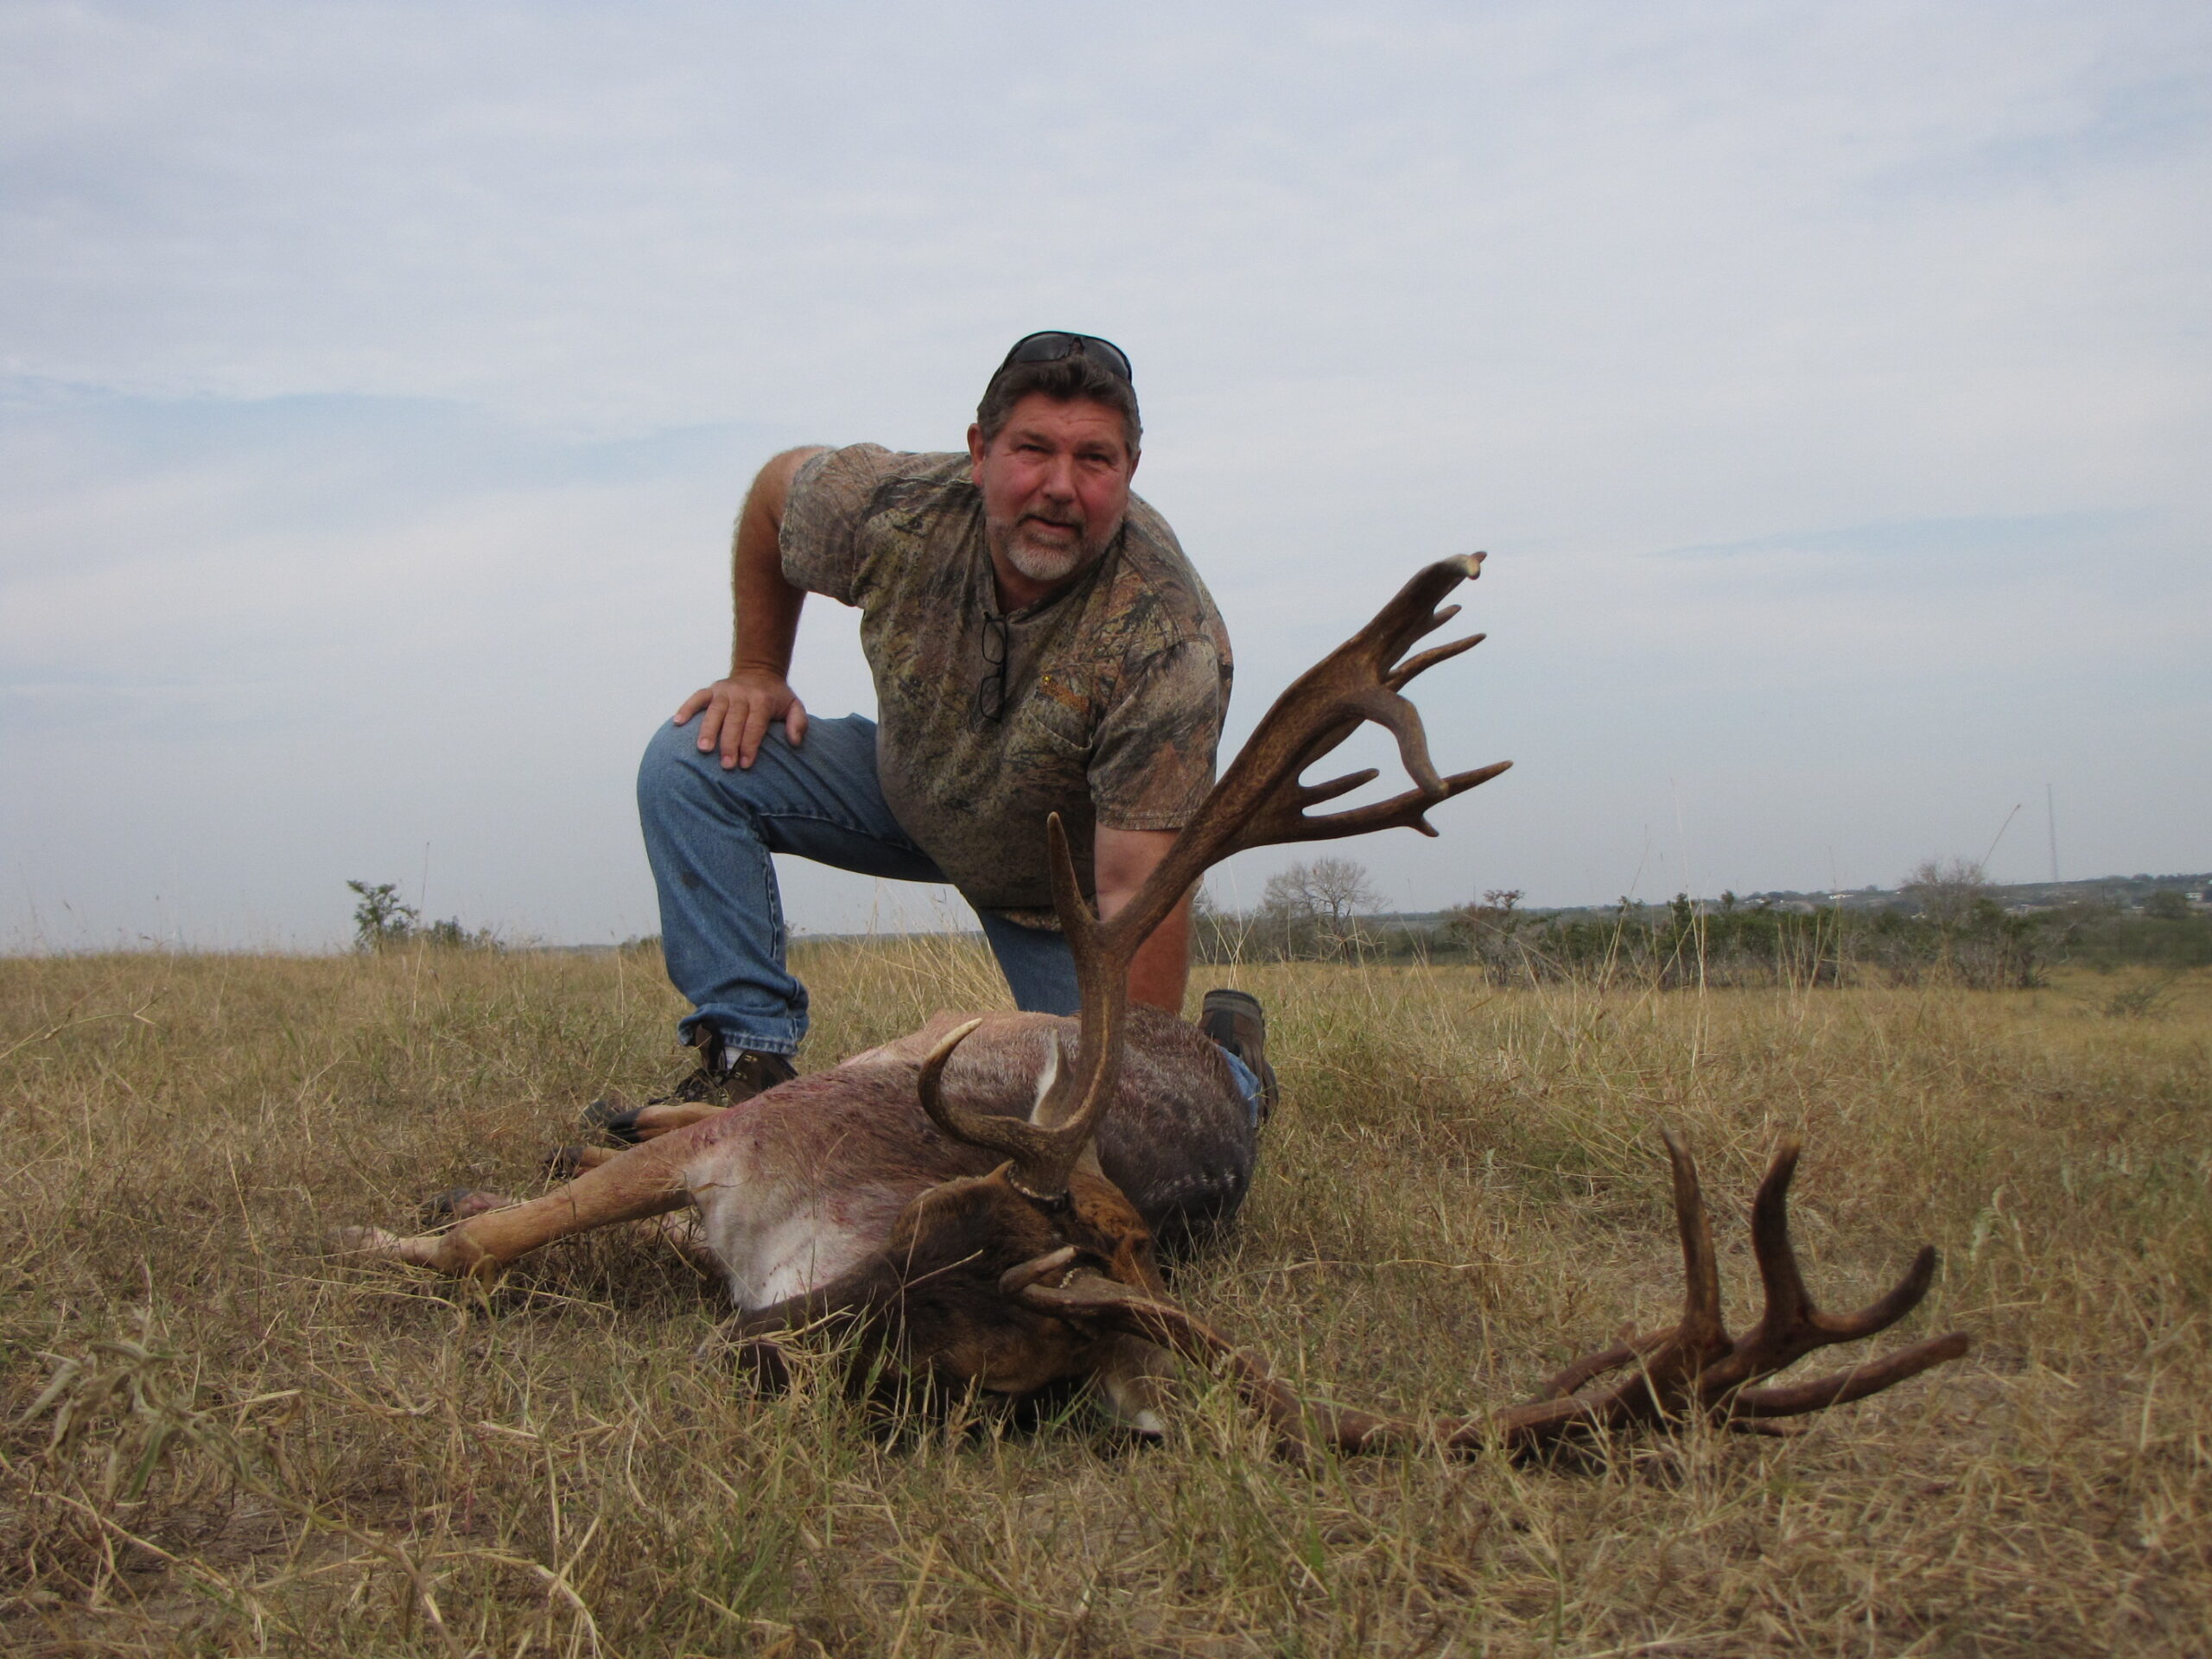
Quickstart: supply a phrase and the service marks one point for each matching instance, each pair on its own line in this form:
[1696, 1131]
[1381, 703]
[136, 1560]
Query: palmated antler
[1257, 803]
[1693, 1370]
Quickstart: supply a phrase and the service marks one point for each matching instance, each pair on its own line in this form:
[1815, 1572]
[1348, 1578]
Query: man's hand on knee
[739, 711]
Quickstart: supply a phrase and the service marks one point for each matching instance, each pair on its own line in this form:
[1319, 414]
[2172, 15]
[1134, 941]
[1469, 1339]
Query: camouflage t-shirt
[1114, 693]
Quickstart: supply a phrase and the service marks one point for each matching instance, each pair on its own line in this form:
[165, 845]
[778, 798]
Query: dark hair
[1065, 380]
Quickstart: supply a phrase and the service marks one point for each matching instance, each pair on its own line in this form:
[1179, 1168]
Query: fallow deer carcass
[984, 1209]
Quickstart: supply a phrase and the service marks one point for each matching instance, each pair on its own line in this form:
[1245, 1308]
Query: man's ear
[1135, 455]
[975, 453]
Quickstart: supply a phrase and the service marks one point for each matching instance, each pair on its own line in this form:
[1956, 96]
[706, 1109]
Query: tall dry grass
[217, 1440]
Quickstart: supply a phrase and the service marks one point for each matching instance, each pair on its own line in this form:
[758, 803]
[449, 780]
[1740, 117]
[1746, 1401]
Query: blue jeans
[709, 833]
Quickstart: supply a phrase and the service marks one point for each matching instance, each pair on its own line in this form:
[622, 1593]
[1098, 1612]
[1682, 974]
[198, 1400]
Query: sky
[1829, 385]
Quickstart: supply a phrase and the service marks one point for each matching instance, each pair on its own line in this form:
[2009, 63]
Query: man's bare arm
[740, 709]
[1122, 860]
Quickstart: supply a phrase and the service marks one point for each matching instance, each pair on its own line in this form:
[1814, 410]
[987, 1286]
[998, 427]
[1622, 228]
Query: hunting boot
[1234, 1020]
[727, 1075]
[724, 1077]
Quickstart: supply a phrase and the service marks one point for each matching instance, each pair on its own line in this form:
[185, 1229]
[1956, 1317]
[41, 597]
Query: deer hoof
[614, 1118]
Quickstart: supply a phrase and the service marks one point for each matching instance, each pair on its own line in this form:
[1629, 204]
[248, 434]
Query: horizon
[951, 925]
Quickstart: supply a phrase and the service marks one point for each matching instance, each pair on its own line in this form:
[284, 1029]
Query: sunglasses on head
[1052, 344]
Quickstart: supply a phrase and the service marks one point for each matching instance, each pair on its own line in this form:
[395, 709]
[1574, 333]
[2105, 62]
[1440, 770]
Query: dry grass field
[217, 1440]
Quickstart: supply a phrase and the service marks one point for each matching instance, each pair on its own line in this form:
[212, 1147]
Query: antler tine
[1700, 1327]
[952, 1119]
[975, 1128]
[1102, 965]
[1673, 1362]
[1885, 1311]
[1414, 612]
[1787, 1302]
[1041, 1157]
[1587, 1369]
[1435, 654]
[1840, 1388]
[1288, 821]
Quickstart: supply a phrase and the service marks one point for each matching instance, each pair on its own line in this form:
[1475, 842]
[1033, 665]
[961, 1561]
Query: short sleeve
[822, 516]
[1152, 761]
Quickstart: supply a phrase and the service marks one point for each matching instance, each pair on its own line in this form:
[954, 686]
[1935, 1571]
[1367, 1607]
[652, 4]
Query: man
[1038, 644]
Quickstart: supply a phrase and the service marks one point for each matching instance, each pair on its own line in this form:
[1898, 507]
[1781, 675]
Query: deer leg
[650, 1122]
[630, 1126]
[643, 1182]
[566, 1163]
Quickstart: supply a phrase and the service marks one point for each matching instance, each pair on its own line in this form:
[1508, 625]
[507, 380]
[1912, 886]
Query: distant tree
[450, 935]
[1318, 902]
[2167, 905]
[1948, 894]
[381, 920]
[1486, 930]
[1495, 916]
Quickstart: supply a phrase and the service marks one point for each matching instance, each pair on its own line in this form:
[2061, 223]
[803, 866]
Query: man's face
[1056, 485]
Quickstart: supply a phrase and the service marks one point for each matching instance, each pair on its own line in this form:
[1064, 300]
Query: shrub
[382, 919]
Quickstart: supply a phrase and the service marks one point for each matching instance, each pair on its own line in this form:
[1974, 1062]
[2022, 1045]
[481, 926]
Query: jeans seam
[764, 815]
[777, 942]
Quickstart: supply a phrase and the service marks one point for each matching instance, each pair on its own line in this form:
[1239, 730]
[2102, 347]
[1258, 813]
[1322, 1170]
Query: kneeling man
[1039, 645]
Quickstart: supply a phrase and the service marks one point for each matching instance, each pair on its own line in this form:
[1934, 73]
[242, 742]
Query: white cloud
[420, 355]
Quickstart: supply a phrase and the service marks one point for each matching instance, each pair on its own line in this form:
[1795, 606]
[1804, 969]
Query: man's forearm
[767, 607]
[1162, 973]
[1160, 970]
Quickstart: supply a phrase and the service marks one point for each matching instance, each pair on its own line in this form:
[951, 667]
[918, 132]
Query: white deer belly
[775, 1239]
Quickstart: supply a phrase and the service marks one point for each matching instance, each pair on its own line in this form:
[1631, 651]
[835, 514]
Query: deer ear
[1133, 1385]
